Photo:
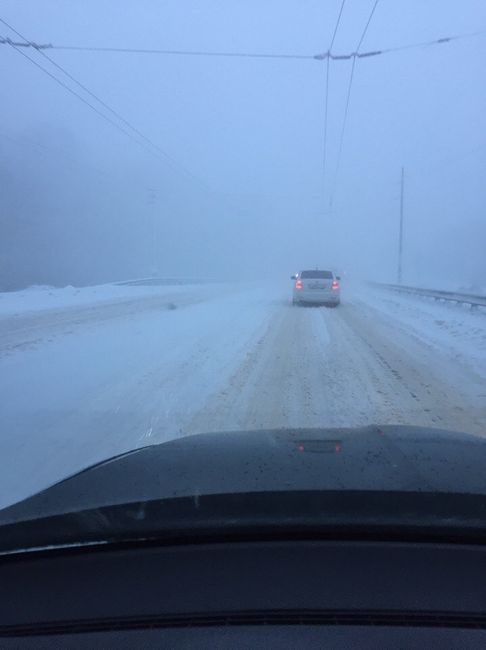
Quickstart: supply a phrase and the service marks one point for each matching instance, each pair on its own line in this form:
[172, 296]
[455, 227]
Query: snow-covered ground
[110, 379]
[41, 298]
[90, 375]
[448, 328]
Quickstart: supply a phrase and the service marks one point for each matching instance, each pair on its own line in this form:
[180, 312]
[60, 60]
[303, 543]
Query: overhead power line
[367, 25]
[326, 99]
[146, 140]
[437, 41]
[246, 55]
[338, 21]
[70, 90]
[348, 97]
[36, 46]
[147, 143]
[140, 50]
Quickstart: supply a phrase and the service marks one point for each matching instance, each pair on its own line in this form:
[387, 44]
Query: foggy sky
[75, 203]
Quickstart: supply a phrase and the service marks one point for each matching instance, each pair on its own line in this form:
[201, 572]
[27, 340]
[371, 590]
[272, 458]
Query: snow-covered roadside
[41, 298]
[119, 384]
[450, 329]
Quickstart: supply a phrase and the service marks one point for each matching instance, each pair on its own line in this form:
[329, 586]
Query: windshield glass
[167, 171]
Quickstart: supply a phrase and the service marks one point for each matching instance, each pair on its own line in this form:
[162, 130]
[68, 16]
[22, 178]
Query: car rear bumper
[316, 297]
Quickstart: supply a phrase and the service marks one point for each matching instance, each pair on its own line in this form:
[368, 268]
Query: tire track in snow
[343, 367]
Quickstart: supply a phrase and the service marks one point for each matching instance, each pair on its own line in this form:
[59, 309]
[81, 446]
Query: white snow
[450, 329]
[40, 298]
[89, 392]
[89, 373]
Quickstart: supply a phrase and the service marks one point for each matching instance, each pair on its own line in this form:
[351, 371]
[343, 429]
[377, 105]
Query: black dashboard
[328, 538]
[253, 594]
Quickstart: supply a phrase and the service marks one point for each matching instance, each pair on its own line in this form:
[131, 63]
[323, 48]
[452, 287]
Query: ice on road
[86, 381]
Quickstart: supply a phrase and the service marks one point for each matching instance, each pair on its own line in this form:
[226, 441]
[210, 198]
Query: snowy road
[351, 366]
[84, 382]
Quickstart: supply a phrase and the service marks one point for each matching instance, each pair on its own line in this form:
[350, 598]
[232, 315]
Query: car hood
[379, 460]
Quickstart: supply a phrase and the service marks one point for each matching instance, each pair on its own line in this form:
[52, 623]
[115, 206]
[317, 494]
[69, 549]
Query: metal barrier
[473, 301]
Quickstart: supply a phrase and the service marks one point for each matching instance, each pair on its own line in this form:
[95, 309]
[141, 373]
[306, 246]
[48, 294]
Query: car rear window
[316, 275]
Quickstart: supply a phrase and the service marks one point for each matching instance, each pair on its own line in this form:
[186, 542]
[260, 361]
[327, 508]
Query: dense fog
[237, 187]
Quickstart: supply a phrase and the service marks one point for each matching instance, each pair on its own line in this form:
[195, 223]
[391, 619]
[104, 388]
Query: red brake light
[298, 284]
[335, 284]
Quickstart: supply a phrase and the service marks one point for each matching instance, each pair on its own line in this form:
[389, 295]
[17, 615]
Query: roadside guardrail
[474, 301]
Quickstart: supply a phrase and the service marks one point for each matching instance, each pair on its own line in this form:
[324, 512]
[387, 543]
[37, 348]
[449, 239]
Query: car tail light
[298, 284]
[335, 284]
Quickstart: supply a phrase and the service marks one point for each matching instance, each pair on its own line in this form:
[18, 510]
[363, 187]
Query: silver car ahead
[316, 287]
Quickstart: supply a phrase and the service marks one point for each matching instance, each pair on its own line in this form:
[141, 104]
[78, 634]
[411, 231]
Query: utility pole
[400, 235]
[151, 200]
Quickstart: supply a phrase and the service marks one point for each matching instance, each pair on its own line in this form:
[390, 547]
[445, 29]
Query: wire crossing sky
[245, 55]
[257, 102]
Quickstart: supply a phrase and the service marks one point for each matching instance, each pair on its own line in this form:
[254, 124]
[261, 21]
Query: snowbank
[39, 298]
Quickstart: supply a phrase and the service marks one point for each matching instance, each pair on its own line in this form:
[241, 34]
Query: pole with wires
[400, 229]
[244, 55]
[152, 203]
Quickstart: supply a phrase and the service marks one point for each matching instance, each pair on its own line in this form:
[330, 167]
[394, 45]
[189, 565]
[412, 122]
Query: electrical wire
[348, 98]
[367, 25]
[70, 90]
[328, 56]
[147, 140]
[436, 41]
[326, 100]
[132, 50]
[247, 55]
[338, 21]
